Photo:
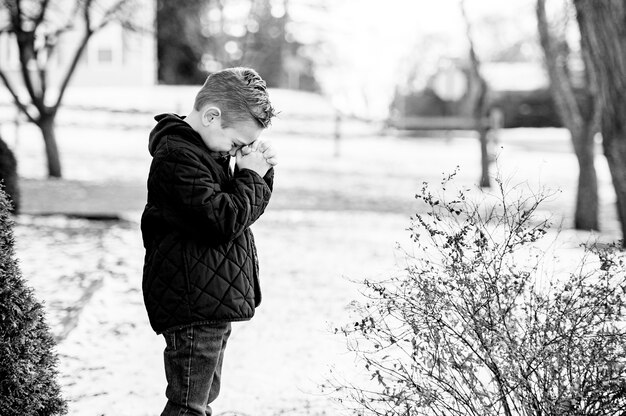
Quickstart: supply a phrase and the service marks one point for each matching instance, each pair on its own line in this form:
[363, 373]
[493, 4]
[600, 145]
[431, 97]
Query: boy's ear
[209, 114]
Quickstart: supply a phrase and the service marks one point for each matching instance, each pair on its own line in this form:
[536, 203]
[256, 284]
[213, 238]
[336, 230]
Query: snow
[333, 220]
[111, 363]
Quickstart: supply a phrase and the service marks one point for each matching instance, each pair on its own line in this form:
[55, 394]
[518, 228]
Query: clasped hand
[260, 156]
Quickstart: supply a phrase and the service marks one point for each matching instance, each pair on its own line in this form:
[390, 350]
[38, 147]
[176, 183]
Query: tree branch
[25, 43]
[560, 83]
[42, 13]
[110, 14]
[16, 17]
[42, 70]
[26, 52]
[86, 15]
[479, 109]
[70, 71]
[78, 53]
[89, 31]
[16, 98]
[69, 23]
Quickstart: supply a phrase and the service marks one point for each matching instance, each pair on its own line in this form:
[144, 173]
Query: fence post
[337, 133]
[496, 124]
[16, 124]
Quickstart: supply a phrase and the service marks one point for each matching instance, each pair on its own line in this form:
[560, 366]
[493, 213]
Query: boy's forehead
[247, 131]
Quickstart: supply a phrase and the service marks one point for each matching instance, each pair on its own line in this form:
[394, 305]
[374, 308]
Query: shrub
[27, 362]
[482, 322]
[8, 174]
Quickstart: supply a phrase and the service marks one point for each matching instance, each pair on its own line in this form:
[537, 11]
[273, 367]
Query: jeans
[193, 365]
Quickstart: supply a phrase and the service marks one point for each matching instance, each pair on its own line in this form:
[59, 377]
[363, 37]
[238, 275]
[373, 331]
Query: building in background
[115, 55]
[518, 91]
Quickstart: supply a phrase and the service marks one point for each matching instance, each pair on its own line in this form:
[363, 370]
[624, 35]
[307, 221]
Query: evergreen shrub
[8, 174]
[28, 385]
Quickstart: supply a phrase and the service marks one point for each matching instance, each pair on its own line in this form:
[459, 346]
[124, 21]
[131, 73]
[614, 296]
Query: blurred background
[374, 98]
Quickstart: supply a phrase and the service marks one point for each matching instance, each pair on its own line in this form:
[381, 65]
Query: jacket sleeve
[269, 178]
[201, 203]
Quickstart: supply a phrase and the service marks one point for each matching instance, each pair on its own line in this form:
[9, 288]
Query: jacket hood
[170, 124]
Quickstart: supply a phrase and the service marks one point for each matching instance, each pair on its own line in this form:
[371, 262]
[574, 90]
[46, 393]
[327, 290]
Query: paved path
[81, 198]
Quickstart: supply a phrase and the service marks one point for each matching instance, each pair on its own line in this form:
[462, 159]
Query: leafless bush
[481, 323]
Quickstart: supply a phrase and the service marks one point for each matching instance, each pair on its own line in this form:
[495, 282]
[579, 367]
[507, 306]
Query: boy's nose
[233, 150]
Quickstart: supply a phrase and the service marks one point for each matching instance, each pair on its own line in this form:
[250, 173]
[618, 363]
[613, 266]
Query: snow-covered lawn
[334, 219]
[111, 363]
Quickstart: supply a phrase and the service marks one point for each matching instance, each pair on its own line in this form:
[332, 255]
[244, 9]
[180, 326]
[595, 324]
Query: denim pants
[193, 365]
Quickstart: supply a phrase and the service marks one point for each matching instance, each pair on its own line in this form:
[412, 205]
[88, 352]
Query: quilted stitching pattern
[200, 260]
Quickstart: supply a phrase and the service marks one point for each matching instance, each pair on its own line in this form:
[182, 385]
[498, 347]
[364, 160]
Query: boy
[201, 270]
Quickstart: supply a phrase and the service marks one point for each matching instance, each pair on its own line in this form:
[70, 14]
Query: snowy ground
[332, 220]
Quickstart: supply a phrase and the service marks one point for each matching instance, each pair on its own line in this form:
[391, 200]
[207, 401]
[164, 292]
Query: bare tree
[479, 89]
[603, 41]
[36, 26]
[581, 122]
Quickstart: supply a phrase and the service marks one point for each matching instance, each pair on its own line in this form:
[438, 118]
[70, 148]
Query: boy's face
[227, 140]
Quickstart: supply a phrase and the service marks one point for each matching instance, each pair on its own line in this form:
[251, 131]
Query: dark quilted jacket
[200, 264]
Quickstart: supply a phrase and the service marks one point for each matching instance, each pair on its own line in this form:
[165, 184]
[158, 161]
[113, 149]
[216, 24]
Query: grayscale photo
[312, 208]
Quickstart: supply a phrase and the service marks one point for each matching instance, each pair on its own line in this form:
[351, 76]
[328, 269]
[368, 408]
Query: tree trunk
[180, 41]
[603, 40]
[580, 124]
[485, 158]
[479, 109]
[586, 215]
[47, 126]
[615, 151]
[479, 112]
